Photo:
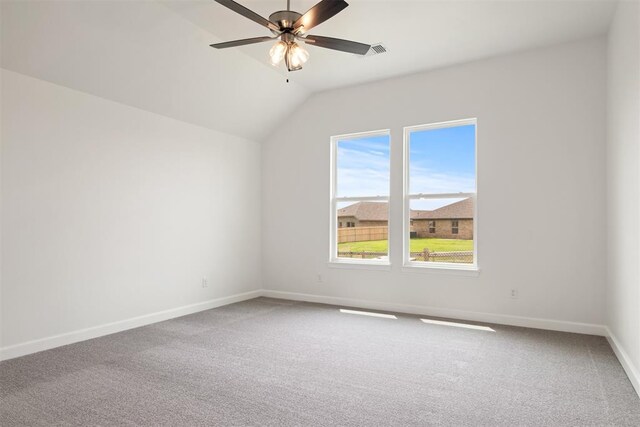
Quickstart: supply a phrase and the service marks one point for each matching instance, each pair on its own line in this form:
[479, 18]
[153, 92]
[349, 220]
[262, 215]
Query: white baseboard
[626, 362]
[502, 319]
[47, 343]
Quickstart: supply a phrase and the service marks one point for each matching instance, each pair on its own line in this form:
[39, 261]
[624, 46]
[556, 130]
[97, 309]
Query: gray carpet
[273, 362]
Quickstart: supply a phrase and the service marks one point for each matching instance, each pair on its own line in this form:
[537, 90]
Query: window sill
[450, 269]
[360, 265]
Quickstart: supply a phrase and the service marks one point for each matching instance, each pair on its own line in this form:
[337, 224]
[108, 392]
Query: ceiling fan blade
[247, 13]
[337, 44]
[318, 14]
[242, 42]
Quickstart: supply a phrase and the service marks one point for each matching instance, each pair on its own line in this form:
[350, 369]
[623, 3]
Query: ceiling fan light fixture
[297, 55]
[277, 52]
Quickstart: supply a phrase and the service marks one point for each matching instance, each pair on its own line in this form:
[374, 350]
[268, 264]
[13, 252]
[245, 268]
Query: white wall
[110, 212]
[541, 188]
[1, 133]
[623, 201]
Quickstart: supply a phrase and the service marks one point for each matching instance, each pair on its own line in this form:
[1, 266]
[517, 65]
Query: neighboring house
[363, 214]
[454, 221]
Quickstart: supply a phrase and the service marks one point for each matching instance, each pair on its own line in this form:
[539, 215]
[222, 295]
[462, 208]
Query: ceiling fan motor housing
[285, 19]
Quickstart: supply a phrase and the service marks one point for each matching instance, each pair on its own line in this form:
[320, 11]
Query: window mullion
[417, 196]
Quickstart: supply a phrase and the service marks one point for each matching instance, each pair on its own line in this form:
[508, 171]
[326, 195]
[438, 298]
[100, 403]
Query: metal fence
[462, 257]
[361, 254]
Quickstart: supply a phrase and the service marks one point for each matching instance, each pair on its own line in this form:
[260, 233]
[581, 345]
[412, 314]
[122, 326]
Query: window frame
[334, 200]
[407, 197]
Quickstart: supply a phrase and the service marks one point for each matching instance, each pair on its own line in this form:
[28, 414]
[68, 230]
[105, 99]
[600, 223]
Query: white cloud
[425, 181]
[362, 173]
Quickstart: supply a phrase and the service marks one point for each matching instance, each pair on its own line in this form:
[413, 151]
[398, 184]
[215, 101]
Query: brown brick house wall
[443, 228]
[343, 220]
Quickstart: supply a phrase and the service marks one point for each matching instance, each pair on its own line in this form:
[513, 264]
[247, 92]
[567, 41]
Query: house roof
[366, 211]
[379, 211]
[457, 210]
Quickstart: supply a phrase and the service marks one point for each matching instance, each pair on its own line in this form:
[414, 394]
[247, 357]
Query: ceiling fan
[289, 27]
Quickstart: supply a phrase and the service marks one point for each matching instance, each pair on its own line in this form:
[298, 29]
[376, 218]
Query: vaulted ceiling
[155, 55]
[419, 34]
[142, 54]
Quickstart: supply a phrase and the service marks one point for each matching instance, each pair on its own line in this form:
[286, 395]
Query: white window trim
[333, 217]
[407, 197]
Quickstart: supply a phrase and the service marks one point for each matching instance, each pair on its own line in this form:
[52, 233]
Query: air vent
[376, 49]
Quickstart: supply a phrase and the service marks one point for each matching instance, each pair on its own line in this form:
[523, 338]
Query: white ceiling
[141, 54]
[154, 55]
[419, 34]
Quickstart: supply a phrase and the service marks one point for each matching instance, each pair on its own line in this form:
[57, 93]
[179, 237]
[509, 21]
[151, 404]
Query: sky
[363, 167]
[441, 161]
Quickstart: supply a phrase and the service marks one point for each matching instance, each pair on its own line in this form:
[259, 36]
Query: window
[340, 224]
[440, 186]
[360, 192]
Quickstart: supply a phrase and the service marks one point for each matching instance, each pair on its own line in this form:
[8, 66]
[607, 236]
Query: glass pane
[362, 230]
[363, 166]
[442, 230]
[442, 160]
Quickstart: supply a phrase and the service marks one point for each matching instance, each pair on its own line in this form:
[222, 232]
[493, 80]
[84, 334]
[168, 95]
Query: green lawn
[417, 245]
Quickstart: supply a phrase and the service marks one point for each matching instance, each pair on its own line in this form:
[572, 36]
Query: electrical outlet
[205, 284]
[319, 278]
[514, 293]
